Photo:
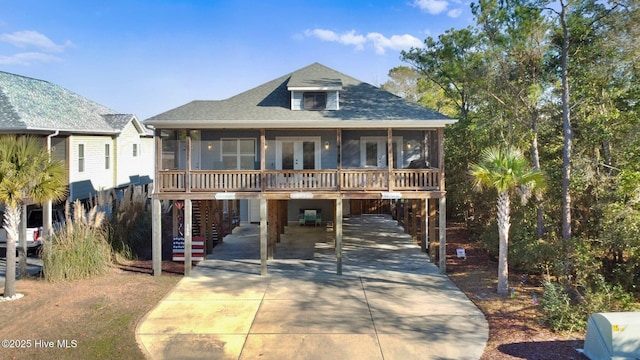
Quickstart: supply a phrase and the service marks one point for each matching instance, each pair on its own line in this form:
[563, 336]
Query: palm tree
[506, 170]
[27, 176]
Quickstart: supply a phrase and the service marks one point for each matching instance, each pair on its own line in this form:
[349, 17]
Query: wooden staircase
[207, 222]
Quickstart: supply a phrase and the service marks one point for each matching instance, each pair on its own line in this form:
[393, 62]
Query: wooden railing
[299, 180]
[351, 180]
[225, 180]
[171, 181]
[422, 179]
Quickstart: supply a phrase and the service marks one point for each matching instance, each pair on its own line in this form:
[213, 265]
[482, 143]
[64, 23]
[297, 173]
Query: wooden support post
[188, 214]
[393, 209]
[272, 227]
[263, 161]
[405, 215]
[229, 217]
[443, 234]
[338, 227]
[156, 236]
[263, 236]
[187, 173]
[414, 219]
[390, 159]
[424, 227]
[339, 157]
[433, 244]
[283, 217]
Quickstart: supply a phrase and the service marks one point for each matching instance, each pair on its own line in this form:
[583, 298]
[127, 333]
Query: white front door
[373, 152]
[297, 153]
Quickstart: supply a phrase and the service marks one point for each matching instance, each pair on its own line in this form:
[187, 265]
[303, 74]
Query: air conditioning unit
[613, 336]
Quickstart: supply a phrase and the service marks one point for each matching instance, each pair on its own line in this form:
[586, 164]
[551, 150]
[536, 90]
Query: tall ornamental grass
[79, 249]
[128, 224]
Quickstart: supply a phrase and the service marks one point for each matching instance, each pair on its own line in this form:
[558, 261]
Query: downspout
[47, 209]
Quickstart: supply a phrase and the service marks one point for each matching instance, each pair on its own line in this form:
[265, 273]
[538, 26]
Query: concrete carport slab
[390, 302]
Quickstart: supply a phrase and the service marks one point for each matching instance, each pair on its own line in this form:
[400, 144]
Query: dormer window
[311, 92]
[315, 100]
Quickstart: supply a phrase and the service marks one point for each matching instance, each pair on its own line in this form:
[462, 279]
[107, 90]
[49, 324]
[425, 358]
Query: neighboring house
[314, 139]
[101, 149]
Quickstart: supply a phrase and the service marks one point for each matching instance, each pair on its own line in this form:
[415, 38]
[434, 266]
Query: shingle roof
[31, 104]
[269, 105]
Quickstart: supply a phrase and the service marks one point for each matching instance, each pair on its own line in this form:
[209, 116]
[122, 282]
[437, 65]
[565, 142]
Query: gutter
[301, 124]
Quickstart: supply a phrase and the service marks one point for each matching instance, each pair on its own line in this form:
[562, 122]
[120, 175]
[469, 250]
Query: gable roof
[31, 105]
[269, 106]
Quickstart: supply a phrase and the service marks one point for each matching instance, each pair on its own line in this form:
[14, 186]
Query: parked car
[34, 227]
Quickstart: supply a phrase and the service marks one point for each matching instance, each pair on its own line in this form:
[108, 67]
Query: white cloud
[28, 58]
[395, 42]
[30, 38]
[378, 41]
[433, 7]
[454, 13]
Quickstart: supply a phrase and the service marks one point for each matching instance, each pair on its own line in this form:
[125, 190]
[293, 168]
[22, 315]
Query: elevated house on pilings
[309, 145]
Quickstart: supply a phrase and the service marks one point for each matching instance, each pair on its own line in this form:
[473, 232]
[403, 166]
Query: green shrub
[560, 313]
[79, 249]
[568, 309]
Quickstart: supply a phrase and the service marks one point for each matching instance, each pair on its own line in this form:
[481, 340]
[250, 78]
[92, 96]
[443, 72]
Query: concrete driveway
[390, 302]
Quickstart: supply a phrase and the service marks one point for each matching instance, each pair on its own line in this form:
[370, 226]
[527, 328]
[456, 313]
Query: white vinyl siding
[108, 161]
[333, 100]
[132, 163]
[296, 100]
[87, 173]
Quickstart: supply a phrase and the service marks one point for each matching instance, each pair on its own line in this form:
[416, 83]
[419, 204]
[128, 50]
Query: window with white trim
[315, 100]
[80, 157]
[238, 154]
[135, 150]
[107, 156]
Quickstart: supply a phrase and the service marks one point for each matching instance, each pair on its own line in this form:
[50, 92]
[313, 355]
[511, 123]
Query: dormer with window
[314, 94]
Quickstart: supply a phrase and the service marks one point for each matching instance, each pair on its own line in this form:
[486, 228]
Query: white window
[135, 150]
[238, 154]
[107, 156]
[315, 101]
[80, 157]
[373, 152]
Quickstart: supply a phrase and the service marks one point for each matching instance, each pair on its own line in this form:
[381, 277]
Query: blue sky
[146, 57]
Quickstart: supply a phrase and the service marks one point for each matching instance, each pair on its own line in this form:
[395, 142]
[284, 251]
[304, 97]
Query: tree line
[558, 80]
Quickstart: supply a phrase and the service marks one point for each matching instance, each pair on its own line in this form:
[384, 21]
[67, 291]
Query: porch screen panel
[230, 154]
[247, 151]
[372, 154]
[287, 155]
[238, 154]
[309, 153]
[395, 156]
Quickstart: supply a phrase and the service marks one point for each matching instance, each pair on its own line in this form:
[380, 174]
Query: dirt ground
[516, 329]
[84, 319]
